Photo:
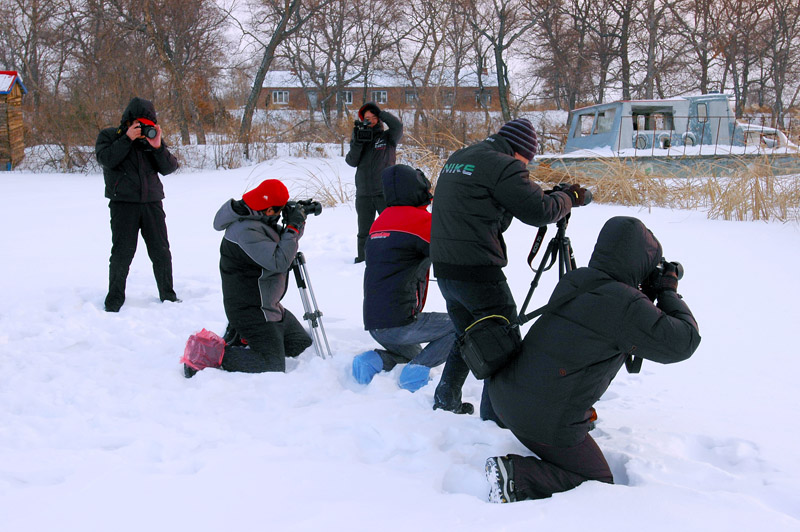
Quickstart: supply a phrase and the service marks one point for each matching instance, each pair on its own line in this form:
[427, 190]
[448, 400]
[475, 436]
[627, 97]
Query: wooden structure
[12, 143]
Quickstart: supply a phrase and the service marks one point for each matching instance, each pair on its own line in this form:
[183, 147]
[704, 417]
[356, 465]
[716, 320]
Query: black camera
[653, 284]
[363, 131]
[564, 187]
[309, 206]
[148, 131]
[662, 267]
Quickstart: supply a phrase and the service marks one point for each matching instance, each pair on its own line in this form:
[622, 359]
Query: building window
[346, 97]
[280, 97]
[448, 99]
[379, 97]
[483, 98]
[412, 97]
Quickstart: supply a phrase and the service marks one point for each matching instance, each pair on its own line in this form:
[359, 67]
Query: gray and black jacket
[571, 354]
[370, 159]
[131, 168]
[480, 189]
[255, 258]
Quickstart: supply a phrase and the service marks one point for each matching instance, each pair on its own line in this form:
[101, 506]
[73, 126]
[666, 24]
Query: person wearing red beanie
[256, 255]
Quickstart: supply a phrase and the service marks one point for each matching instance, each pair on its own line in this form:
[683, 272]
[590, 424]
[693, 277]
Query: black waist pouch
[489, 344]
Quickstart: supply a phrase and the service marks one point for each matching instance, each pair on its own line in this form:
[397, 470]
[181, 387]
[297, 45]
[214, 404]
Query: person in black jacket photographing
[132, 155]
[372, 150]
[570, 355]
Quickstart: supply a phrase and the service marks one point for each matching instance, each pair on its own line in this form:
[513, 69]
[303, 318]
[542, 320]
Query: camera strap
[537, 243]
[591, 285]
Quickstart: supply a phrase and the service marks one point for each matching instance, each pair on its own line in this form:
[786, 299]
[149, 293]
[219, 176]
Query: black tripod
[311, 310]
[558, 249]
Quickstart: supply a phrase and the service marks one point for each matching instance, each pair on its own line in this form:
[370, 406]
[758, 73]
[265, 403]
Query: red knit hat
[270, 193]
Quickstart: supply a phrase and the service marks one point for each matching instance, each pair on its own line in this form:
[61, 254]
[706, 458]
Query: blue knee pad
[413, 377]
[367, 365]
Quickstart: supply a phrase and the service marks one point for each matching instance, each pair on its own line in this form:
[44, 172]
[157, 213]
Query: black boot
[448, 392]
[117, 279]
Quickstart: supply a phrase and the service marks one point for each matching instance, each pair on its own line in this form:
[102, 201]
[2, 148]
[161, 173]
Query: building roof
[7, 80]
[379, 78]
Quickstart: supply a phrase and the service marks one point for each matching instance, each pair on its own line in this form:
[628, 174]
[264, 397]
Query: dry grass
[752, 192]
[327, 186]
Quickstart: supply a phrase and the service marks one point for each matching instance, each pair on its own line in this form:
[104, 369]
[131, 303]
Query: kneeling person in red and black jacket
[396, 284]
[256, 255]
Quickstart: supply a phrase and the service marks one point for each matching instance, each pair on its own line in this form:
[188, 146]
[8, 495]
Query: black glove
[294, 217]
[664, 278]
[577, 194]
[669, 279]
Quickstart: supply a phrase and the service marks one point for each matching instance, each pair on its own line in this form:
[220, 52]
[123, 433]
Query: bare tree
[30, 37]
[782, 36]
[186, 36]
[697, 22]
[272, 22]
[501, 23]
[739, 21]
[419, 40]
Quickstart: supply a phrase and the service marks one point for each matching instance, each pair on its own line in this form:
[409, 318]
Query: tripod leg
[312, 313]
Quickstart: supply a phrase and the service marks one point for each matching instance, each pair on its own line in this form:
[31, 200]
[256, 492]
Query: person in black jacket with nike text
[132, 155]
[480, 189]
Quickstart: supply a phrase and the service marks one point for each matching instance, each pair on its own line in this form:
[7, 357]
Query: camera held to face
[148, 131]
[308, 206]
[665, 276]
[363, 131]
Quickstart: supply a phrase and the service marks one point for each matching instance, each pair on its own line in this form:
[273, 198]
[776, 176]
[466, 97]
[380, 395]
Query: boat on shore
[675, 137]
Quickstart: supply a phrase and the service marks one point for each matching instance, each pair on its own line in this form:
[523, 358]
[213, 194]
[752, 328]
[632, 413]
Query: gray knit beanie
[520, 134]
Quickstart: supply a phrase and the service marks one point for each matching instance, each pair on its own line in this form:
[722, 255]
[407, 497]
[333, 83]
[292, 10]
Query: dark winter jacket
[372, 158]
[131, 168]
[571, 354]
[255, 258]
[480, 190]
[396, 274]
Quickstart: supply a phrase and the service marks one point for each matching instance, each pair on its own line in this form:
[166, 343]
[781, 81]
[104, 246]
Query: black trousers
[366, 208]
[558, 469]
[268, 342]
[127, 220]
[467, 302]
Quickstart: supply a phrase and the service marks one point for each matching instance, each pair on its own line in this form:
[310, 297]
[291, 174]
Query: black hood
[403, 185]
[626, 250]
[139, 108]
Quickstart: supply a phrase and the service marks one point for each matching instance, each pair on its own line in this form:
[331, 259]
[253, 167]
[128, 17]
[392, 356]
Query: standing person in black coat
[371, 158]
[132, 155]
[574, 350]
[480, 189]
[256, 255]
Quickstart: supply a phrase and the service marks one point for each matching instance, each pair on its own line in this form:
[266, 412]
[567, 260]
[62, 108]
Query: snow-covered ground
[99, 430]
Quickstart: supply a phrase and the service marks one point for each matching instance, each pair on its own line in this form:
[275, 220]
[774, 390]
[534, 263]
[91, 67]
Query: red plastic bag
[203, 349]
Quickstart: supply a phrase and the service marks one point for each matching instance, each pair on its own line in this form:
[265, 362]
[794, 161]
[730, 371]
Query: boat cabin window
[585, 125]
[652, 121]
[595, 123]
[605, 119]
[702, 112]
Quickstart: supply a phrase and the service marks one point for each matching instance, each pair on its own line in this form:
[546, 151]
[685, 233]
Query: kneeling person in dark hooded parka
[256, 255]
[396, 286]
[572, 353]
